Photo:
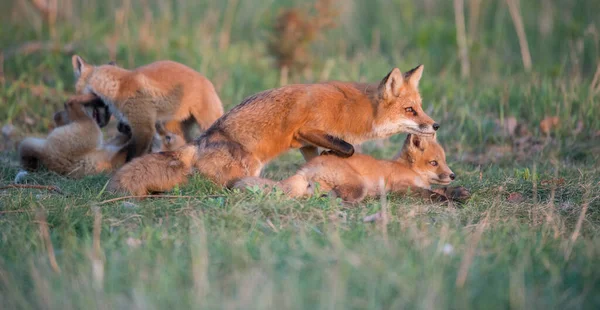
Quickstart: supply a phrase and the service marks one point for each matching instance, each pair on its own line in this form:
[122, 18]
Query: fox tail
[155, 172]
[31, 150]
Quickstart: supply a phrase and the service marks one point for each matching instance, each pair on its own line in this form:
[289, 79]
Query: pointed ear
[391, 84]
[160, 129]
[415, 142]
[414, 76]
[78, 64]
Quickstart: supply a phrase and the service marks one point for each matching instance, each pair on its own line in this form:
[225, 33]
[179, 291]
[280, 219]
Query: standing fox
[75, 147]
[420, 163]
[330, 115]
[163, 91]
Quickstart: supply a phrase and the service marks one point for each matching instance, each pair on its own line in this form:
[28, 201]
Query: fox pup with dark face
[330, 115]
[420, 164]
[163, 91]
[75, 148]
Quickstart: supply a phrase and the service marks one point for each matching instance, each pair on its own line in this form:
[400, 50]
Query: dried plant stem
[143, 196]
[384, 212]
[576, 232]
[515, 14]
[225, 34]
[45, 234]
[461, 37]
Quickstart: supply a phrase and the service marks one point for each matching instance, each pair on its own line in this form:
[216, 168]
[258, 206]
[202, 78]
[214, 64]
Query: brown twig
[515, 14]
[143, 196]
[51, 188]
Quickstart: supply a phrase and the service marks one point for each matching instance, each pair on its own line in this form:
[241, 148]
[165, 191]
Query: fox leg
[309, 152]
[320, 138]
[143, 128]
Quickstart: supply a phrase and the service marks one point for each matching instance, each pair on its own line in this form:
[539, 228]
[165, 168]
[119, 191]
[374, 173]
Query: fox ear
[416, 142]
[414, 76]
[112, 63]
[78, 64]
[160, 129]
[391, 84]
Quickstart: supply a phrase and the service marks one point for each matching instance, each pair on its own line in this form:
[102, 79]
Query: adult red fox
[329, 115]
[420, 163]
[163, 91]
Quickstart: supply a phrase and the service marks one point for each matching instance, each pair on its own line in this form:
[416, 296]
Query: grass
[212, 248]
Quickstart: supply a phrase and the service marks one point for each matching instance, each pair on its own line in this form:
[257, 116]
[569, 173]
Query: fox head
[399, 108]
[427, 157]
[84, 72]
[95, 108]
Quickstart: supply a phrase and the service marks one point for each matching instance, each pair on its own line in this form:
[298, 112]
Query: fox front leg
[319, 138]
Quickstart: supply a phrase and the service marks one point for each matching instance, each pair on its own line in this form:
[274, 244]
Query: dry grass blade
[467, 259]
[579, 224]
[144, 196]
[461, 37]
[515, 14]
[384, 211]
[97, 256]
[45, 234]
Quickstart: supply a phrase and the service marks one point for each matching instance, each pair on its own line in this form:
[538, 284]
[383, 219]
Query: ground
[526, 143]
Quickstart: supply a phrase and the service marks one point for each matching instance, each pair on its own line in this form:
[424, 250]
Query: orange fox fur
[420, 163]
[75, 147]
[330, 115]
[163, 91]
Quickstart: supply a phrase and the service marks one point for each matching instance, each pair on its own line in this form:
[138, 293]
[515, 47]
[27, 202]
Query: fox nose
[435, 126]
[452, 176]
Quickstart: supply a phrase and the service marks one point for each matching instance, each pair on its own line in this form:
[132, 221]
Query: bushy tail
[156, 172]
[31, 151]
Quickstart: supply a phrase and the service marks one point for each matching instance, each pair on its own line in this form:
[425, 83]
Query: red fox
[329, 115]
[163, 91]
[75, 148]
[420, 163]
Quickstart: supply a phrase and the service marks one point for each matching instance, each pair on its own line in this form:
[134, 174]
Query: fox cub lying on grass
[420, 163]
[76, 147]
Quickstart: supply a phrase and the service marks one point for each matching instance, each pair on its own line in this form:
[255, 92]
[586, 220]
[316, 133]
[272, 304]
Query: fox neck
[404, 162]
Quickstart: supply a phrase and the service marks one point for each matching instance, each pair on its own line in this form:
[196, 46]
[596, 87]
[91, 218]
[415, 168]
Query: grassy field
[528, 239]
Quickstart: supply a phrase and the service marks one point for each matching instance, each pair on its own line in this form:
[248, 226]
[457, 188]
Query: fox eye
[409, 110]
[433, 163]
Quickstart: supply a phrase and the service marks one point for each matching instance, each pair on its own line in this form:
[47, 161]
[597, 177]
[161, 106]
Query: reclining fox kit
[163, 91]
[76, 147]
[420, 163]
[330, 115]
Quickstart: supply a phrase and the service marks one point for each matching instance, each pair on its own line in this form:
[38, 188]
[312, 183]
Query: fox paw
[458, 193]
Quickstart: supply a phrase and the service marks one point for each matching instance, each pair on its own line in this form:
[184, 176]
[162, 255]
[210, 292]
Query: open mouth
[421, 132]
[440, 182]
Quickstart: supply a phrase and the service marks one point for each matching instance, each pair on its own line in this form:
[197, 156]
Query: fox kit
[163, 91]
[75, 147]
[420, 163]
[329, 115]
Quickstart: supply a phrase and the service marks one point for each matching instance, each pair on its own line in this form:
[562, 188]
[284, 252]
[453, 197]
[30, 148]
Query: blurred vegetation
[524, 140]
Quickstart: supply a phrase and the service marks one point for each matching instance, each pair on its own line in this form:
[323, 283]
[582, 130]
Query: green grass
[222, 249]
